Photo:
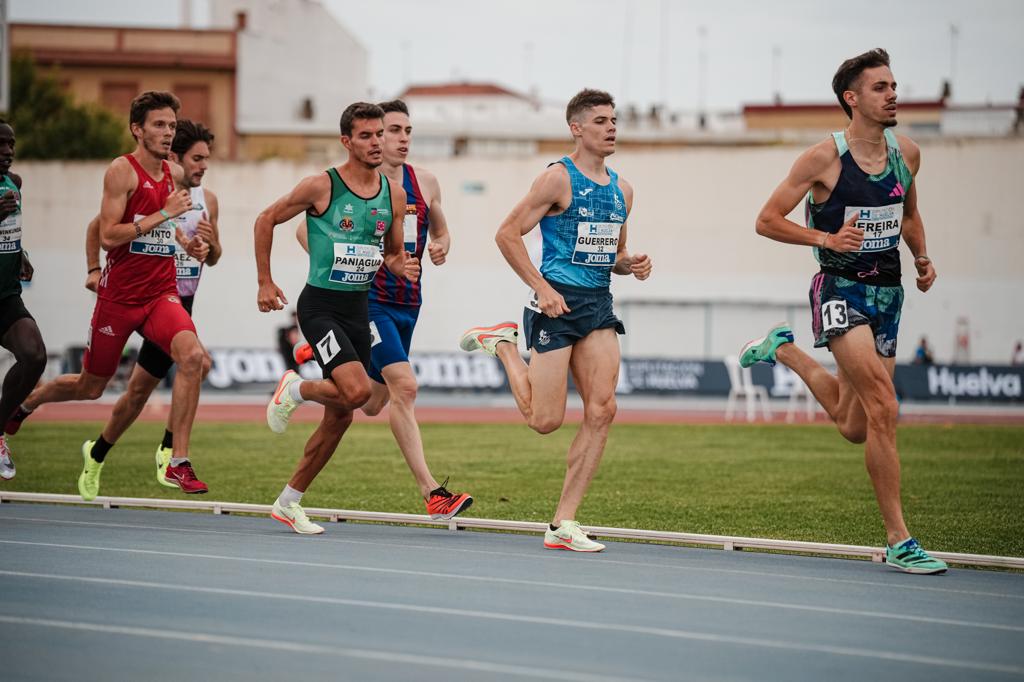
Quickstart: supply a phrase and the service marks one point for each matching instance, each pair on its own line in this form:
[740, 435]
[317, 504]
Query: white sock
[289, 495]
[178, 461]
[293, 391]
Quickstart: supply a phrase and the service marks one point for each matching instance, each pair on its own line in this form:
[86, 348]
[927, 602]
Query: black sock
[100, 449]
[168, 440]
[552, 527]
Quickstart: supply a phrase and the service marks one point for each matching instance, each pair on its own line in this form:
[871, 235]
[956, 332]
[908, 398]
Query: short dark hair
[393, 106]
[587, 99]
[850, 70]
[187, 134]
[150, 101]
[361, 111]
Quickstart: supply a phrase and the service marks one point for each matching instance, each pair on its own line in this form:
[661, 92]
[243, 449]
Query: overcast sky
[648, 51]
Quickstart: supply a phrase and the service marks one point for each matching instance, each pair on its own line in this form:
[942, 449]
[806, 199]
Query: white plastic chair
[801, 392]
[742, 386]
[788, 383]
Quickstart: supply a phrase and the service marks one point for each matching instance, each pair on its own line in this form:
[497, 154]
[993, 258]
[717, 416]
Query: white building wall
[288, 52]
[694, 214]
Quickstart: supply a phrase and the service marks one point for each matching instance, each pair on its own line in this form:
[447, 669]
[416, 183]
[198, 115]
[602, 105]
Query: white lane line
[549, 556]
[734, 601]
[566, 623]
[298, 647]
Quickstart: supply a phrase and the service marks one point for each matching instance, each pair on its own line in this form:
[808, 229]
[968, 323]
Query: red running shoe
[14, 422]
[302, 352]
[444, 505]
[185, 478]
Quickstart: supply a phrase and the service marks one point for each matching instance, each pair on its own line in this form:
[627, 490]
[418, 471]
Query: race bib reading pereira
[881, 224]
[355, 263]
[596, 244]
[159, 241]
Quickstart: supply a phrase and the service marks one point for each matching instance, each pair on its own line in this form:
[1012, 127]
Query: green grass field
[963, 486]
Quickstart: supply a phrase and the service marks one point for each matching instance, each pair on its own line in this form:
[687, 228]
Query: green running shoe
[763, 349]
[89, 479]
[909, 557]
[163, 458]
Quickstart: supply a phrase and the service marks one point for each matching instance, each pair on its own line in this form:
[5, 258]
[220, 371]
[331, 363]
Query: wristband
[926, 259]
[165, 214]
[92, 270]
[825, 241]
[138, 229]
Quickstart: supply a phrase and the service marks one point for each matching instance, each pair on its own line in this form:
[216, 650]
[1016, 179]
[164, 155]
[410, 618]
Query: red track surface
[218, 412]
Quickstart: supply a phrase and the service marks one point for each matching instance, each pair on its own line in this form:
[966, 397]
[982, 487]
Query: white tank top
[189, 269]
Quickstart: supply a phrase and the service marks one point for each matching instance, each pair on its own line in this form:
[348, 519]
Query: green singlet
[10, 244]
[345, 240]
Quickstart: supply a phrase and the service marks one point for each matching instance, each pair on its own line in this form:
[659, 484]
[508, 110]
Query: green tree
[50, 125]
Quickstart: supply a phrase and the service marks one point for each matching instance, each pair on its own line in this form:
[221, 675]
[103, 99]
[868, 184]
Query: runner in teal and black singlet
[861, 200]
[18, 330]
[349, 209]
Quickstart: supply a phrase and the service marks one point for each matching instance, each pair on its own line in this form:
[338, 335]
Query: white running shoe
[296, 518]
[6, 463]
[570, 536]
[488, 338]
[281, 405]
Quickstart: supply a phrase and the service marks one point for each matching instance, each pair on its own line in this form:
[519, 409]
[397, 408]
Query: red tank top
[143, 269]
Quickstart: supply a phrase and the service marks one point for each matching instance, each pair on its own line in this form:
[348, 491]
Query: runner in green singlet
[348, 210]
[18, 331]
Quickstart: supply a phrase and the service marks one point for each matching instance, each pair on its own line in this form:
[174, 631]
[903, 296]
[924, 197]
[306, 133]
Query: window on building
[117, 96]
[195, 102]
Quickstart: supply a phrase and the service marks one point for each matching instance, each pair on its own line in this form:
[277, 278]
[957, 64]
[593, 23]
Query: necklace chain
[861, 139]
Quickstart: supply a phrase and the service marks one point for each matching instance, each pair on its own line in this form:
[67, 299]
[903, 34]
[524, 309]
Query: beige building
[111, 65]
[920, 116]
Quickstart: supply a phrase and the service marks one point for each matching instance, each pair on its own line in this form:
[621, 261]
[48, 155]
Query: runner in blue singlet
[582, 206]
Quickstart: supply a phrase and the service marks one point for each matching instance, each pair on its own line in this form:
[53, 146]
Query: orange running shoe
[444, 505]
[302, 352]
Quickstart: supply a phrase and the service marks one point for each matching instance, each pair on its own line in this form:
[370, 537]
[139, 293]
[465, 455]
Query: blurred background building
[271, 78]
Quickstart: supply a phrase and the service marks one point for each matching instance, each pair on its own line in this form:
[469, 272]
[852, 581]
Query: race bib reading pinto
[596, 244]
[159, 241]
[881, 224]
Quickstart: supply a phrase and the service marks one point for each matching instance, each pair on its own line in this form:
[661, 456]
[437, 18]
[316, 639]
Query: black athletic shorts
[336, 324]
[12, 309]
[589, 309]
[154, 360]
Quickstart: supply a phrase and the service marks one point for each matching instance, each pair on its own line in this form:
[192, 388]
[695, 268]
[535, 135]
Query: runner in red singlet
[138, 289]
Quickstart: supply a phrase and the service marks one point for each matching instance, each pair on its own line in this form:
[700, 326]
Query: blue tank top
[387, 288]
[579, 244]
[878, 201]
